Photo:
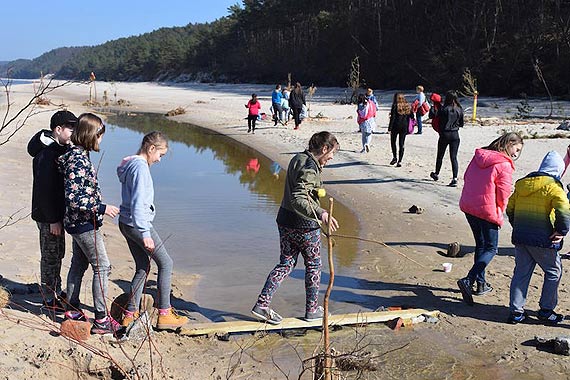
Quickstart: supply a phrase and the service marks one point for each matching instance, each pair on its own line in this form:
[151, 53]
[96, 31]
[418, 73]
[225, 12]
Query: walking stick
[328, 360]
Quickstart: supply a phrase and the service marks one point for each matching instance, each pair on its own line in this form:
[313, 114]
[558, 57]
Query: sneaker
[434, 176]
[516, 317]
[453, 183]
[296, 127]
[249, 130]
[549, 317]
[465, 287]
[129, 318]
[394, 160]
[483, 288]
[107, 325]
[367, 148]
[75, 315]
[363, 150]
[399, 165]
[315, 315]
[170, 321]
[266, 314]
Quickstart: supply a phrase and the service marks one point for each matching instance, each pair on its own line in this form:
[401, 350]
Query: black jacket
[398, 123]
[296, 100]
[450, 119]
[47, 192]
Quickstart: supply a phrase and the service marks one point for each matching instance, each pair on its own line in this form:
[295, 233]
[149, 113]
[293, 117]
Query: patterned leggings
[294, 241]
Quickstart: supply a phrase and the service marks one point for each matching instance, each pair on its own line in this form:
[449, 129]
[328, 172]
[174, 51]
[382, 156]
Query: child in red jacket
[254, 106]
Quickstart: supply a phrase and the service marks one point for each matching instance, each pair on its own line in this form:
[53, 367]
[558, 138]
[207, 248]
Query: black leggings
[445, 139]
[297, 115]
[401, 136]
[251, 119]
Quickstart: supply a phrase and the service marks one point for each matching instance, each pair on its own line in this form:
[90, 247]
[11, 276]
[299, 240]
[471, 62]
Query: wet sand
[474, 341]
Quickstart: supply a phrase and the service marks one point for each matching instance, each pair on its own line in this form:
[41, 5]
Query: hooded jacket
[488, 180]
[539, 206]
[137, 193]
[300, 202]
[48, 204]
[83, 207]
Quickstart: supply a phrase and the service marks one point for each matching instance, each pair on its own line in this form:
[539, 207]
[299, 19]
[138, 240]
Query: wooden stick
[328, 361]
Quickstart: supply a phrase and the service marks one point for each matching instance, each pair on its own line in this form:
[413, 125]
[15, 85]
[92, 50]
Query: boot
[170, 321]
[129, 318]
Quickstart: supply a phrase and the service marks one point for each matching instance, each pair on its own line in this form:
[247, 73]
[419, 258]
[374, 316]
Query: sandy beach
[474, 342]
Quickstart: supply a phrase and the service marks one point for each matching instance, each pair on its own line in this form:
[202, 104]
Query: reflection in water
[217, 201]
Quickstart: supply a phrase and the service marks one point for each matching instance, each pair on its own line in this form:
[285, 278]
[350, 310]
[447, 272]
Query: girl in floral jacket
[83, 216]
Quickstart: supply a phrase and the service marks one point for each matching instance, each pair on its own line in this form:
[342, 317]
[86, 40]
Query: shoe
[296, 127]
[170, 321]
[399, 165]
[266, 314]
[465, 287]
[394, 160]
[453, 183]
[418, 133]
[434, 176]
[363, 150]
[75, 315]
[549, 317]
[107, 326]
[516, 317]
[129, 318]
[483, 288]
[253, 132]
[249, 130]
[315, 315]
[367, 148]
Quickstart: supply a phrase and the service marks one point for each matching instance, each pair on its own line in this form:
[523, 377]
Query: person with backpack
[539, 212]
[366, 112]
[450, 120]
[420, 107]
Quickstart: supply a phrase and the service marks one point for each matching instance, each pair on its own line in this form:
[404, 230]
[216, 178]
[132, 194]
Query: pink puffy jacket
[487, 185]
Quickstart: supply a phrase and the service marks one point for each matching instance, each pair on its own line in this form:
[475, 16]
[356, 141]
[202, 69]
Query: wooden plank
[194, 329]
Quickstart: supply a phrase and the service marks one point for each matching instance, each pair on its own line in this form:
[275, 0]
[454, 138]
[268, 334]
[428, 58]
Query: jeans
[526, 258]
[142, 263]
[89, 249]
[445, 139]
[294, 241]
[419, 120]
[277, 112]
[366, 138]
[486, 236]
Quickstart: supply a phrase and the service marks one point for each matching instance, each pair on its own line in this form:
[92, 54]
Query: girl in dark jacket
[398, 127]
[450, 120]
[296, 102]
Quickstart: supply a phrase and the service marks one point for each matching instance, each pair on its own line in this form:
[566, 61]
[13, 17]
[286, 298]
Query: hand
[326, 219]
[111, 210]
[56, 229]
[148, 244]
[556, 237]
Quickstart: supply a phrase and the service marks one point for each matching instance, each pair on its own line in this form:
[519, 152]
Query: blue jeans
[88, 249]
[526, 258]
[419, 119]
[142, 259]
[486, 236]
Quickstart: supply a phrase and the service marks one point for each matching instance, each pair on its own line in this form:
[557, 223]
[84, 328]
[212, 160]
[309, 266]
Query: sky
[30, 28]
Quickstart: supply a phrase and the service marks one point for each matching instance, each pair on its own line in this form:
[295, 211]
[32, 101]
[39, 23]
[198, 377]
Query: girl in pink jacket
[488, 182]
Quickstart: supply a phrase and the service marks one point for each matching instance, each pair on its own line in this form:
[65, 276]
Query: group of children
[538, 211]
[66, 196]
[283, 103]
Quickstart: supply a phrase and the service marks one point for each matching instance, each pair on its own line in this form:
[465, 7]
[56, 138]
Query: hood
[41, 140]
[436, 98]
[127, 163]
[485, 158]
[552, 164]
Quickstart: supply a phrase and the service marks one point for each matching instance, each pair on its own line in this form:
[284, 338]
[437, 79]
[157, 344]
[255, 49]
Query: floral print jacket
[83, 207]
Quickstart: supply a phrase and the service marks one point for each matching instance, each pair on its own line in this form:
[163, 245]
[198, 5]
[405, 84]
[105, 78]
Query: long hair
[88, 130]
[156, 138]
[362, 99]
[451, 99]
[322, 139]
[502, 143]
[401, 104]
[298, 89]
